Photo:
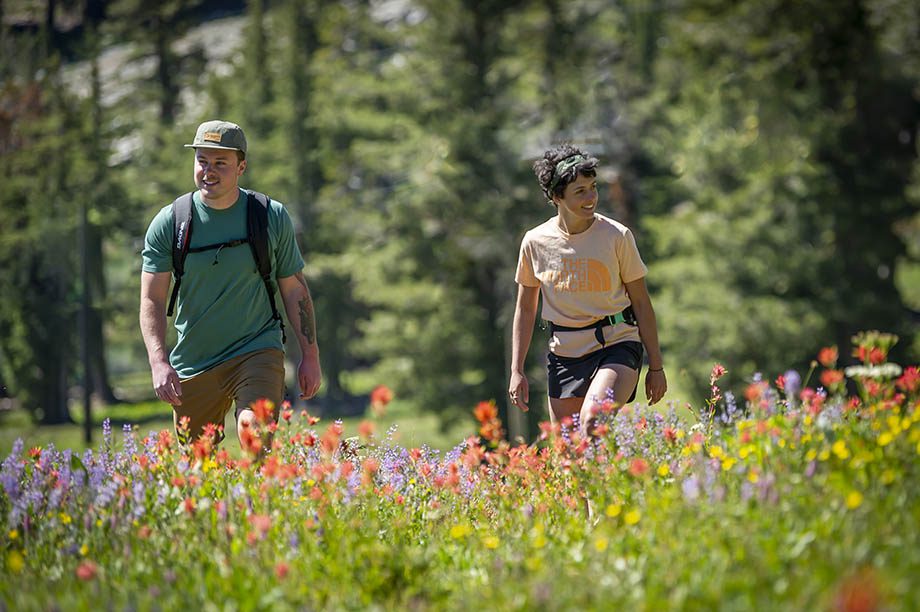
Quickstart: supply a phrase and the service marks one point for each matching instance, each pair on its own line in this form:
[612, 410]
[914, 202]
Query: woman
[588, 270]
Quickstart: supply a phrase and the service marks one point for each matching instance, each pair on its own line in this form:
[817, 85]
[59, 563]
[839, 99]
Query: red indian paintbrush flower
[381, 395]
[87, 570]
[264, 410]
[830, 378]
[827, 356]
[718, 371]
[909, 380]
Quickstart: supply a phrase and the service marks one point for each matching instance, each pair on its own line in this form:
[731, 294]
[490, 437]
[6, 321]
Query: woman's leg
[617, 378]
[560, 408]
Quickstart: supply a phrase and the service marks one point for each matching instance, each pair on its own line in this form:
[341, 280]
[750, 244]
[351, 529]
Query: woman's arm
[525, 315]
[656, 384]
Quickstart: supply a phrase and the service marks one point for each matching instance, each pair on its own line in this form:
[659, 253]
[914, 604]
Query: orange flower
[909, 381]
[485, 411]
[87, 570]
[492, 430]
[858, 593]
[781, 382]
[827, 356]
[281, 570]
[830, 378]
[261, 523]
[718, 371]
[754, 390]
[250, 440]
[638, 467]
[877, 356]
[365, 429]
[381, 395]
[670, 435]
[264, 410]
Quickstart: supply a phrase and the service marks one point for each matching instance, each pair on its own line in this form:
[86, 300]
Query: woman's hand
[519, 391]
[656, 385]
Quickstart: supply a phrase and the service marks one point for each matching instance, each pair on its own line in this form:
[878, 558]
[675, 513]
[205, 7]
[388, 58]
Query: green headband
[564, 166]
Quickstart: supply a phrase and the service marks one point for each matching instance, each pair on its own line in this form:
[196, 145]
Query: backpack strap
[257, 234]
[182, 237]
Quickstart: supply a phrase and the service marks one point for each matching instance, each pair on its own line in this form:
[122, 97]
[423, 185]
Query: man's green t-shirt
[222, 310]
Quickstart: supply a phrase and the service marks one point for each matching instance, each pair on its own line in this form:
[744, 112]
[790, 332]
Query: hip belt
[624, 316]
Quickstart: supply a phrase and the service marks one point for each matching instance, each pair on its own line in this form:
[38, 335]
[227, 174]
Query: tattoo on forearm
[307, 324]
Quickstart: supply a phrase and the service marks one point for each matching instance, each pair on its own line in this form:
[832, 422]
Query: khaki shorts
[207, 397]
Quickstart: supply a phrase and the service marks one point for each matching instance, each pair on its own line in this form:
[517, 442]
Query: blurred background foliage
[764, 152]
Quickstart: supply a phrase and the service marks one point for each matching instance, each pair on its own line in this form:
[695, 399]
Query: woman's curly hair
[545, 169]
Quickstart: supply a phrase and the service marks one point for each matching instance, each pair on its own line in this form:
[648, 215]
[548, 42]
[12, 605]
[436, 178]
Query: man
[229, 347]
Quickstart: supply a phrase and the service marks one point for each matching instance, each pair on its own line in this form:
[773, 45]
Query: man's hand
[309, 376]
[166, 383]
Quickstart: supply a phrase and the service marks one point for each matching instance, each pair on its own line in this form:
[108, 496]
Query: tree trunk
[166, 68]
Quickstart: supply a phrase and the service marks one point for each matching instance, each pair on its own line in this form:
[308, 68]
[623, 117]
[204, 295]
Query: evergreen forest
[764, 152]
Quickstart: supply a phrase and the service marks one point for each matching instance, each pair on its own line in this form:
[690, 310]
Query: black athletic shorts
[571, 376]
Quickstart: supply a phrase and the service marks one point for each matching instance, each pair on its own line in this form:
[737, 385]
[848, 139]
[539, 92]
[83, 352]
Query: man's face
[217, 172]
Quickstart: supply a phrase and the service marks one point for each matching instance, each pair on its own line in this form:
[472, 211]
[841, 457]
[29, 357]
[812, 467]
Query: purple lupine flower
[139, 494]
[690, 487]
[793, 384]
[11, 471]
[811, 468]
[747, 491]
[731, 412]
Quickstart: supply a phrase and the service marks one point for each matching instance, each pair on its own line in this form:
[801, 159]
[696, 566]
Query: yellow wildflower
[13, 534]
[84, 550]
[600, 544]
[664, 469]
[613, 510]
[728, 463]
[840, 449]
[632, 517]
[885, 438]
[490, 541]
[15, 562]
[716, 452]
[854, 499]
[460, 531]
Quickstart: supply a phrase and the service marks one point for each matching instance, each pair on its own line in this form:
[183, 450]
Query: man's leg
[257, 376]
[204, 401]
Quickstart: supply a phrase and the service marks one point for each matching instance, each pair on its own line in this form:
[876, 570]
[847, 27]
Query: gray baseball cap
[217, 134]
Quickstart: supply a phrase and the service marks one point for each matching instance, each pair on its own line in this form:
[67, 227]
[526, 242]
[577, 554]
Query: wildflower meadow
[799, 494]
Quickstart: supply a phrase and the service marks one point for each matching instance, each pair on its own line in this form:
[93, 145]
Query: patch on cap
[211, 136]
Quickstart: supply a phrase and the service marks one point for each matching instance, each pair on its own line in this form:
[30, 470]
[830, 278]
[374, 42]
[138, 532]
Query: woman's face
[579, 198]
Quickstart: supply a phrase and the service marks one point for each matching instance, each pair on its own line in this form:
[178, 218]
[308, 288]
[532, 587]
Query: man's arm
[154, 291]
[298, 305]
[525, 314]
